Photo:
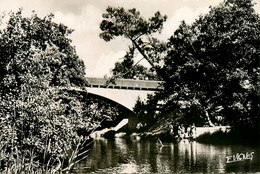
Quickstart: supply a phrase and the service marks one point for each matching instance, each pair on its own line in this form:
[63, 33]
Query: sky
[84, 16]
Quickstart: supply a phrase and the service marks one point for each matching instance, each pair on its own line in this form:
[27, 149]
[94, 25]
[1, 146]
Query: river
[144, 156]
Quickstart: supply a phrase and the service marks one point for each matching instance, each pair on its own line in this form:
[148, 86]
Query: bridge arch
[114, 103]
[123, 94]
[124, 97]
[116, 98]
[125, 113]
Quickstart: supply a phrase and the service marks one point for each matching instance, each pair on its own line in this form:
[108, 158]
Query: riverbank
[206, 135]
[231, 137]
[167, 136]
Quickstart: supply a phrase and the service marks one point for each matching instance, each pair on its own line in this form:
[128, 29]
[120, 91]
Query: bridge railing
[129, 84]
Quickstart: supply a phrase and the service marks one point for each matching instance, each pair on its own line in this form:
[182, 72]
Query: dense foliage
[127, 69]
[213, 65]
[210, 68]
[129, 24]
[43, 106]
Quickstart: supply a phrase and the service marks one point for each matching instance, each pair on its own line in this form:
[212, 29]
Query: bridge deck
[129, 84]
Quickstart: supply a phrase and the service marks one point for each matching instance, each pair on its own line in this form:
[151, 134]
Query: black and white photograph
[129, 86]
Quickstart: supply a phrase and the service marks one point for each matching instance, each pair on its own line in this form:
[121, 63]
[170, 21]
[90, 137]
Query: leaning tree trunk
[208, 119]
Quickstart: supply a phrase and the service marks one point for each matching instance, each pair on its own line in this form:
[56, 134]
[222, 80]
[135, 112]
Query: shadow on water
[132, 156]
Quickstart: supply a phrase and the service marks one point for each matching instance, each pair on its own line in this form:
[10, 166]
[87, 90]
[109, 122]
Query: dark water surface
[138, 156]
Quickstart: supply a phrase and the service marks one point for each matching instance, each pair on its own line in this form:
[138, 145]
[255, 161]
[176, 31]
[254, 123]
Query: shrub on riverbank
[232, 137]
[41, 106]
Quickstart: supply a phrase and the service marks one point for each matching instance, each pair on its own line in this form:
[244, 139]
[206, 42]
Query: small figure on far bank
[193, 131]
[189, 132]
[181, 131]
[171, 129]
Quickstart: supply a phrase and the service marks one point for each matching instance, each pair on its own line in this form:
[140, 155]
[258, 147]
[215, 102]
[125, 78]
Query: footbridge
[124, 91]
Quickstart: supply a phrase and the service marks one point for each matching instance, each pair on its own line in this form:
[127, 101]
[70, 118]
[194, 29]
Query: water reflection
[131, 156]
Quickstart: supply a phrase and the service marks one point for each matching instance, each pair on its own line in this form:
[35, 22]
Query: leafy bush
[42, 107]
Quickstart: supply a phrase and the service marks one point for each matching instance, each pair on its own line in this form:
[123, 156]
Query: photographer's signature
[240, 157]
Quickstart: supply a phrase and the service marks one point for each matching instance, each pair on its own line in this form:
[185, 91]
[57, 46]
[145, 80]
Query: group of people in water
[177, 131]
[182, 132]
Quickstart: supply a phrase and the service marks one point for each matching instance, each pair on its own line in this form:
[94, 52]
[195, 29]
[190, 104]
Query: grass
[31, 164]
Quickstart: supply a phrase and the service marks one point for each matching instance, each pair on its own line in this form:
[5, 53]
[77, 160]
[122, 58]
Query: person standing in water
[193, 131]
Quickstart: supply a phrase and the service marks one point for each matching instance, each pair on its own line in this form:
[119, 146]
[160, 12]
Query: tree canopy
[210, 68]
[213, 64]
[25, 40]
[128, 69]
[130, 25]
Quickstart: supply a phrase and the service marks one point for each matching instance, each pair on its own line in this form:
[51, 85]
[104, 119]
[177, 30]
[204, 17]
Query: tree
[129, 24]
[24, 35]
[40, 108]
[213, 65]
[211, 69]
[128, 70]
